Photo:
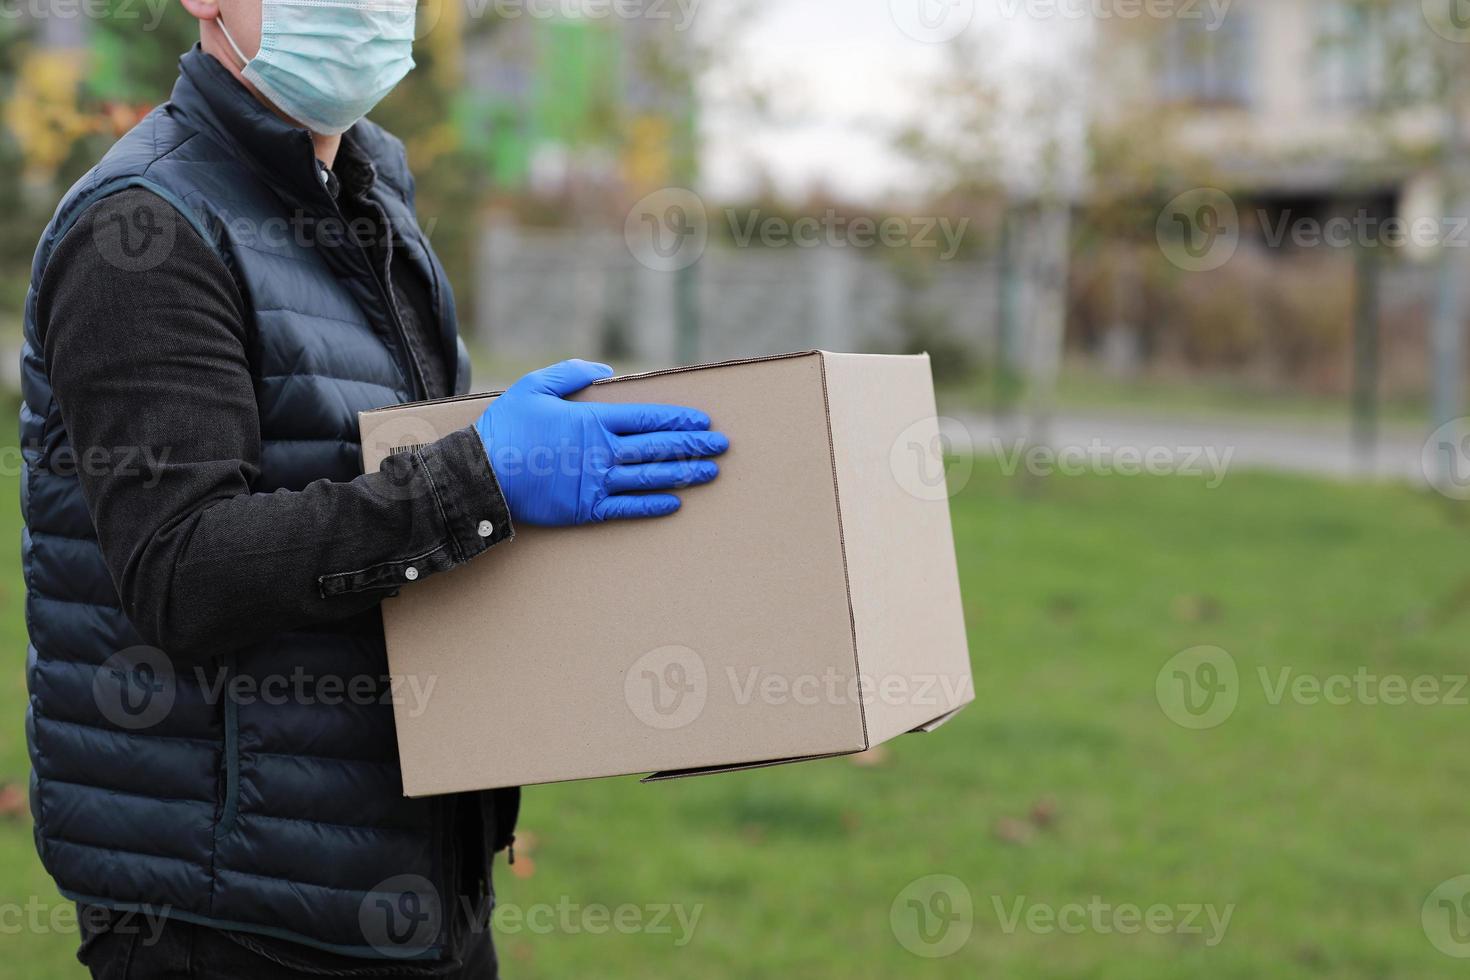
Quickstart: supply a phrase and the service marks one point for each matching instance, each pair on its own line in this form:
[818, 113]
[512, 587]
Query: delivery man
[215, 778]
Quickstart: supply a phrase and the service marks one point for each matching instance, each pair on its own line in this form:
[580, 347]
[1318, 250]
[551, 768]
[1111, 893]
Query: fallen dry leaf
[1012, 831]
[1197, 608]
[875, 756]
[13, 804]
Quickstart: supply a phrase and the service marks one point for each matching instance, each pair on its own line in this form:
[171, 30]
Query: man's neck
[326, 148]
[213, 44]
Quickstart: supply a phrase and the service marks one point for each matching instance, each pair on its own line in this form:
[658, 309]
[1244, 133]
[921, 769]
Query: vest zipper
[385, 289]
[385, 292]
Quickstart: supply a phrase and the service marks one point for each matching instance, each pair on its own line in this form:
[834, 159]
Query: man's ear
[201, 9]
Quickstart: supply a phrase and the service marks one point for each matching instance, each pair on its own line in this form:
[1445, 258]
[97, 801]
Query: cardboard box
[805, 604]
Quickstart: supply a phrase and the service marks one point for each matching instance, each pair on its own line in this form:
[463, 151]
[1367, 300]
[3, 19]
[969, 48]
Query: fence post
[654, 326]
[497, 241]
[834, 274]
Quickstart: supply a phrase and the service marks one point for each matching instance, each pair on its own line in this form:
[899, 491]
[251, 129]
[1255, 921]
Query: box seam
[857, 663]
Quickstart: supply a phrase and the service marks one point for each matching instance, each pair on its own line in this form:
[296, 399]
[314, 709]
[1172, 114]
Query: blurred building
[579, 107]
[1312, 116]
[1314, 105]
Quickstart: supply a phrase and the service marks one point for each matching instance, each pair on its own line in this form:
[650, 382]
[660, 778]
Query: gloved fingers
[635, 506]
[630, 419]
[565, 378]
[658, 447]
[660, 476]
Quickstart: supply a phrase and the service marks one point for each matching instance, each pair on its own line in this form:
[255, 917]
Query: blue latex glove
[561, 463]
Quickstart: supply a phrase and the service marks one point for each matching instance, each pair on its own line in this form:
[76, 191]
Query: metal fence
[549, 294]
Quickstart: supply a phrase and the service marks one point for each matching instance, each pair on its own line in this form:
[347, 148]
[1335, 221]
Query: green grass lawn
[1321, 827]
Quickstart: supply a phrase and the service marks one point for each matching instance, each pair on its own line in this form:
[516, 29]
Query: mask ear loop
[244, 61]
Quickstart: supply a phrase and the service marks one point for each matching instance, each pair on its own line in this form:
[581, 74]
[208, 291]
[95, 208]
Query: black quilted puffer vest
[286, 820]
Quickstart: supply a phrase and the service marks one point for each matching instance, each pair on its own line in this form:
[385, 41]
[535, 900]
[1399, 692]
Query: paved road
[1196, 447]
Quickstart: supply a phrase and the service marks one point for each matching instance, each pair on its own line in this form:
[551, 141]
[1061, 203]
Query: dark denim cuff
[464, 489]
[460, 496]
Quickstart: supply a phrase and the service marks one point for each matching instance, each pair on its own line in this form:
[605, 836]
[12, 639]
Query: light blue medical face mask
[327, 63]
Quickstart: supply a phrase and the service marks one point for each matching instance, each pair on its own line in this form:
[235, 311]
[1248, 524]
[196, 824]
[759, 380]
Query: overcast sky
[846, 74]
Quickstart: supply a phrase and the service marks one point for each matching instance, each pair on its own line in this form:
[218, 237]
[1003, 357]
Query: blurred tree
[135, 60]
[45, 112]
[1425, 61]
[18, 232]
[452, 184]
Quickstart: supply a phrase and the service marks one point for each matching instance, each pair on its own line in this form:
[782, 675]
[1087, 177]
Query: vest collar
[281, 154]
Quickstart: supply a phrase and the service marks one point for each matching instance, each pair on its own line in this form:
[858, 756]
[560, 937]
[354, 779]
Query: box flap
[663, 777]
[898, 545]
[943, 719]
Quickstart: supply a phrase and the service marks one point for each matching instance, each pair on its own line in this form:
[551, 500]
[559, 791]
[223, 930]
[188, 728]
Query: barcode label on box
[412, 447]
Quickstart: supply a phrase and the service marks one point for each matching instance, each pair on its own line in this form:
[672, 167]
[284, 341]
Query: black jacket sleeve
[150, 370]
